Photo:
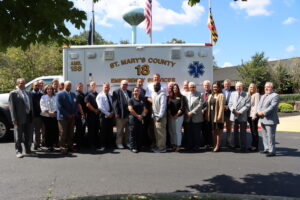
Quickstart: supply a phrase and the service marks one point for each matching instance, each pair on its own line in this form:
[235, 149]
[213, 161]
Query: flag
[148, 16]
[212, 27]
[91, 38]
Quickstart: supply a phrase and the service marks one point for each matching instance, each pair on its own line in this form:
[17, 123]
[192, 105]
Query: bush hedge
[289, 98]
[285, 107]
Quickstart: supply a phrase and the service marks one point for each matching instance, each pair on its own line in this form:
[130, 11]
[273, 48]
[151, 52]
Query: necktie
[205, 96]
[109, 103]
[126, 95]
[70, 97]
[26, 101]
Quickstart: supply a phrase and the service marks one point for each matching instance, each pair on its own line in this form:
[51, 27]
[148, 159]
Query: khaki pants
[160, 133]
[66, 132]
[122, 131]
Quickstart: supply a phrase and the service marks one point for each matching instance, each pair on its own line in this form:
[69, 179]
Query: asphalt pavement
[56, 176]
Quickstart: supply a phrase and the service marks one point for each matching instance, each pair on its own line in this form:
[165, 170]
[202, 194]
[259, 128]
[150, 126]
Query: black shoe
[270, 155]
[264, 152]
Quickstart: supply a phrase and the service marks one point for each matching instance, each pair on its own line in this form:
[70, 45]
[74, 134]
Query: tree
[282, 80]
[295, 73]
[37, 60]
[38, 21]
[124, 42]
[82, 39]
[175, 41]
[255, 71]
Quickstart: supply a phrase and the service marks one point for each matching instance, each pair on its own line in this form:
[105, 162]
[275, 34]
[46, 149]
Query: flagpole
[150, 35]
[93, 24]
[209, 10]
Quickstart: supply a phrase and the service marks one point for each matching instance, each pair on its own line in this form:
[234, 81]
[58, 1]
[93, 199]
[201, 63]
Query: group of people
[158, 117]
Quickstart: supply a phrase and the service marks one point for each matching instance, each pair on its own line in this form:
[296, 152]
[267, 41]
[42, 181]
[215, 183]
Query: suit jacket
[254, 103]
[241, 104]
[269, 105]
[18, 107]
[219, 109]
[195, 107]
[120, 104]
[204, 107]
[227, 99]
[65, 107]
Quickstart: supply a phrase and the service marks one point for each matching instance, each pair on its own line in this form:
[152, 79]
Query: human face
[192, 88]
[136, 92]
[175, 89]
[106, 88]
[206, 87]
[68, 86]
[215, 88]
[252, 88]
[268, 88]
[157, 87]
[41, 84]
[21, 84]
[93, 86]
[156, 78]
[36, 86]
[186, 87]
[80, 87]
[124, 85]
[55, 85]
[227, 85]
[239, 87]
[49, 91]
[140, 83]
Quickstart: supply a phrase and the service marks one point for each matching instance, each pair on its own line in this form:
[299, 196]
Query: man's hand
[158, 119]
[226, 107]
[261, 114]
[189, 114]
[15, 122]
[110, 115]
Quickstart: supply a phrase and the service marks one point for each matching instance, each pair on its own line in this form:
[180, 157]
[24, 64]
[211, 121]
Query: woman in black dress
[137, 109]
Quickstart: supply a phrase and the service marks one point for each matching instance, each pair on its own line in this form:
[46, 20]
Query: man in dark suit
[227, 93]
[267, 110]
[66, 112]
[21, 110]
[121, 97]
[206, 128]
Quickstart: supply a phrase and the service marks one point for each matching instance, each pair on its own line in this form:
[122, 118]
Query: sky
[244, 28]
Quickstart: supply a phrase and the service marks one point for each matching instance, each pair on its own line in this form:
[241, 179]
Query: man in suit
[239, 105]
[121, 97]
[21, 110]
[66, 113]
[206, 129]
[227, 93]
[80, 117]
[267, 112]
[194, 118]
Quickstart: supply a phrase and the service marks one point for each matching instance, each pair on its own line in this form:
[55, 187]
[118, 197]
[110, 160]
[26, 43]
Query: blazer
[120, 104]
[18, 107]
[227, 99]
[65, 107]
[204, 107]
[241, 104]
[194, 107]
[269, 105]
[219, 109]
[254, 103]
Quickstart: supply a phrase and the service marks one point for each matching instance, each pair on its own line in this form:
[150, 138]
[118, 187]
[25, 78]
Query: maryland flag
[212, 28]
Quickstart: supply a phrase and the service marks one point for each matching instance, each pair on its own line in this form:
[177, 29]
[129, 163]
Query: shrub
[285, 107]
[289, 98]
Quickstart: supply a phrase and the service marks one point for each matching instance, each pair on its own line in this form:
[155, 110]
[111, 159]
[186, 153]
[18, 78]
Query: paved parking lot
[119, 172]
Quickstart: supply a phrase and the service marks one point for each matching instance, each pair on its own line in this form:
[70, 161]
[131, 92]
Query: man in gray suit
[194, 118]
[20, 103]
[267, 112]
[239, 104]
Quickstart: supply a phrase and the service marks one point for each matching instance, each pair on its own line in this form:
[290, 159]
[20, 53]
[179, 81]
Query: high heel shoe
[216, 150]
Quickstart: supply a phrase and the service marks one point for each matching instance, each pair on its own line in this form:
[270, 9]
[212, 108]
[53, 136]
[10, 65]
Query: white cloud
[272, 59]
[289, 3]
[290, 48]
[227, 64]
[289, 20]
[253, 7]
[106, 13]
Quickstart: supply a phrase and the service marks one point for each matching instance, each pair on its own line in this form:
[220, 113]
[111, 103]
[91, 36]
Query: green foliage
[82, 39]
[124, 42]
[37, 60]
[255, 71]
[282, 80]
[295, 73]
[25, 22]
[175, 41]
[289, 98]
[193, 2]
[285, 107]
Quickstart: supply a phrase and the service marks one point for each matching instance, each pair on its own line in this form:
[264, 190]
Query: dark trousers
[240, 137]
[66, 133]
[135, 132]
[23, 131]
[51, 131]
[194, 135]
[254, 131]
[93, 130]
[79, 132]
[184, 141]
[106, 135]
[207, 133]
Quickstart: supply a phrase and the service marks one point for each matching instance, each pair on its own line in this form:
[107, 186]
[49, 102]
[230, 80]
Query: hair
[239, 83]
[206, 81]
[156, 74]
[20, 79]
[178, 93]
[219, 88]
[106, 83]
[54, 80]
[47, 87]
[78, 84]
[192, 84]
[269, 83]
[124, 82]
[254, 86]
[227, 80]
[32, 87]
[186, 81]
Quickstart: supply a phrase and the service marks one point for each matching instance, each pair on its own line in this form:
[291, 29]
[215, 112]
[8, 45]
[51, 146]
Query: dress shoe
[19, 155]
[120, 146]
[270, 155]
[134, 150]
[264, 152]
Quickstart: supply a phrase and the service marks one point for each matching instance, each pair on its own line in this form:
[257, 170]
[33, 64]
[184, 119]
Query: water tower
[134, 16]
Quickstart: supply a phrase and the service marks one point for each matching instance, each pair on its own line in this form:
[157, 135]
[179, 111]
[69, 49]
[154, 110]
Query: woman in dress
[252, 118]
[176, 109]
[48, 113]
[215, 114]
[137, 109]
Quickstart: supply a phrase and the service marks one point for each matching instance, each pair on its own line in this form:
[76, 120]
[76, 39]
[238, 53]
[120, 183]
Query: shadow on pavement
[274, 184]
[283, 151]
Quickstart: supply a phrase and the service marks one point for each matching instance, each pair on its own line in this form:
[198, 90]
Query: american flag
[212, 27]
[148, 16]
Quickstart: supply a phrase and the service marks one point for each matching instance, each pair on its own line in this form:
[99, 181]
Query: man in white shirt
[104, 102]
[150, 87]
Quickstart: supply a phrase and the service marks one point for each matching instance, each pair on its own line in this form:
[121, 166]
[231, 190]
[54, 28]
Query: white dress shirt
[103, 103]
[47, 104]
